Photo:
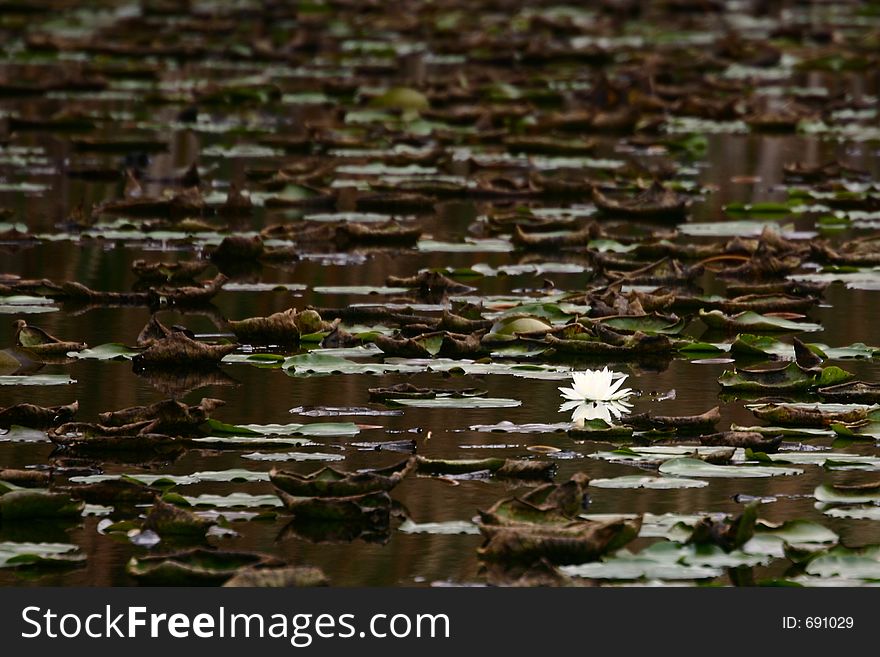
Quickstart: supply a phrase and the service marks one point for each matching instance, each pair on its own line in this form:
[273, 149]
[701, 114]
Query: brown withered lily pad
[39, 342]
[37, 417]
[236, 248]
[569, 543]
[409, 391]
[429, 283]
[28, 505]
[514, 468]
[805, 416]
[727, 533]
[115, 492]
[89, 438]
[682, 424]
[168, 416]
[330, 482]
[188, 203]
[745, 439]
[289, 576]
[854, 391]
[549, 503]
[198, 567]
[153, 330]
[25, 478]
[169, 272]
[279, 328]
[656, 202]
[177, 351]
[636, 345]
[170, 520]
[373, 507]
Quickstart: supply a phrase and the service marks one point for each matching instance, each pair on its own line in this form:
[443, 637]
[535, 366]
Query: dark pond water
[733, 168]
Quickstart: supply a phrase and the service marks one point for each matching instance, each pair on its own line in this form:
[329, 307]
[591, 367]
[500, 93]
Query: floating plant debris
[413, 231]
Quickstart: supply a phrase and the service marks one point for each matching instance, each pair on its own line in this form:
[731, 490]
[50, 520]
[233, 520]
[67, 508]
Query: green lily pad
[801, 534]
[29, 504]
[38, 554]
[655, 483]
[663, 560]
[830, 494]
[233, 500]
[22, 304]
[232, 475]
[327, 429]
[857, 563]
[552, 312]
[36, 380]
[293, 456]
[109, 351]
[660, 453]
[753, 321]
[401, 98]
[17, 434]
[855, 512]
[317, 363]
[688, 467]
[195, 567]
[656, 324]
[448, 527]
[459, 402]
[508, 328]
[791, 378]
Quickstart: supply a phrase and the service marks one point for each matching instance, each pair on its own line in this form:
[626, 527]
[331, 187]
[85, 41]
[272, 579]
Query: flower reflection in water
[596, 395]
[609, 411]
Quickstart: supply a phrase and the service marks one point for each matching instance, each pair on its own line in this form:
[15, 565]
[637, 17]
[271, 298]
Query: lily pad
[448, 527]
[31, 504]
[459, 402]
[791, 378]
[688, 467]
[13, 555]
[109, 351]
[752, 321]
[36, 380]
[654, 483]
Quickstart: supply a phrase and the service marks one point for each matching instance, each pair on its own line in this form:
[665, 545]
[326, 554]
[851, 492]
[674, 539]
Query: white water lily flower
[609, 411]
[596, 385]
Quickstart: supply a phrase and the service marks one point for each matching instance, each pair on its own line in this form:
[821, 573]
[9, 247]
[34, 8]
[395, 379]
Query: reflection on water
[609, 412]
[266, 396]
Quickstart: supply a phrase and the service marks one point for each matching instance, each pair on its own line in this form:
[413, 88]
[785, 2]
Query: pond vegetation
[495, 292]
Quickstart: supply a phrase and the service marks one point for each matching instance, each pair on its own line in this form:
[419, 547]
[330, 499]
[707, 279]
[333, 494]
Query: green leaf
[655, 483]
[36, 554]
[217, 427]
[857, 563]
[791, 378]
[507, 328]
[830, 494]
[459, 402]
[664, 560]
[109, 351]
[753, 321]
[798, 533]
[36, 380]
[402, 98]
[654, 324]
[448, 527]
[28, 504]
[234, 500]
[689, 467]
